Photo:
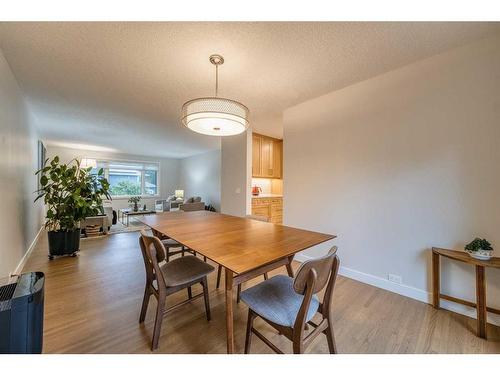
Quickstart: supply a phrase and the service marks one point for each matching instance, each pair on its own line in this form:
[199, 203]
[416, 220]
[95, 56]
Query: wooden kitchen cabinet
[267, 156]
[256, 159]
[278, 158]
[271, 207]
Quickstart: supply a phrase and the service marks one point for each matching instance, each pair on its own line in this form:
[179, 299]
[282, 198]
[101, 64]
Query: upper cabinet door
[267, 156]
[267, 159]
[256, 158]
[278, 158]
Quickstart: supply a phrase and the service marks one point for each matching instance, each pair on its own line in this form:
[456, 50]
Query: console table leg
[435, 280]
[481, 301]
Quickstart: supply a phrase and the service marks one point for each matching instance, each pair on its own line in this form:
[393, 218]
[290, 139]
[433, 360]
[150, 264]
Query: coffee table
[127, 212]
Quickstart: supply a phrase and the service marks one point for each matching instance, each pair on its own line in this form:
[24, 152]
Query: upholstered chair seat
[276, 300]
[170, 243]
[184, 270]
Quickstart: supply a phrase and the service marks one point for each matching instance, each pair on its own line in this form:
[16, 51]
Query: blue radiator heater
[21, 315]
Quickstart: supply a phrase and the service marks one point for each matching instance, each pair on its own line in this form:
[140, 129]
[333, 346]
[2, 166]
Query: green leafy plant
[125, 188]
[478, 244]
[71, 193]
[135, 200]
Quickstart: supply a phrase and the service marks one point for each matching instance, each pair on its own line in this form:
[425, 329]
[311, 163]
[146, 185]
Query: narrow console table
[480, 304]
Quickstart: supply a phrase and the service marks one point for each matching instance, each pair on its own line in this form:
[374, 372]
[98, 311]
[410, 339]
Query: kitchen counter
[268, 196]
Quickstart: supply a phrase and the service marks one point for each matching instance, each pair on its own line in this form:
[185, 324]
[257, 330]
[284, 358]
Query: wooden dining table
[246, 248]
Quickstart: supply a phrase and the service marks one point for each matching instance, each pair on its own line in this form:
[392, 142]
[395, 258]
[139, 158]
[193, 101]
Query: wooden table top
[462, 256]
[236, 243]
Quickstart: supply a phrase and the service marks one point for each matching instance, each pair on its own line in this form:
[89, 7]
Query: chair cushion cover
[276, 300]
[168, 242]
[184, 270]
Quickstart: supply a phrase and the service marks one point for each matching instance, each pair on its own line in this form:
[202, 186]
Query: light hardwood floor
[92, 305]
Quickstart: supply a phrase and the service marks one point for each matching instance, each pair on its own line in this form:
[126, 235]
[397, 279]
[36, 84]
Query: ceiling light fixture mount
[216, 59]
[214, 115]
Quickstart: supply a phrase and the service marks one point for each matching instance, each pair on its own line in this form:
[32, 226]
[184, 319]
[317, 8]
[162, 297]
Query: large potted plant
[71, 194]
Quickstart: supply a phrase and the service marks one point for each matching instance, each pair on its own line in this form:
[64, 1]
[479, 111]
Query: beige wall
[169, 170]
[399, 163]
[21, 219]
[200, 176]
[236, 177]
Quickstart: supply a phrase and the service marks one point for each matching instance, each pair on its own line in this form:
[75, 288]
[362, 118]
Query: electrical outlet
[395, 278]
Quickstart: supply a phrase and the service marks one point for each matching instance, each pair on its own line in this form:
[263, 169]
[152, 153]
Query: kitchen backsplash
[269, 185]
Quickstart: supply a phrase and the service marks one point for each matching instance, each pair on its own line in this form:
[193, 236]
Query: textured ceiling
[121, 85]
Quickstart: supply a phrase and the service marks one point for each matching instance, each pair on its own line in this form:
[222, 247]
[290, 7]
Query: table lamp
[179, 194]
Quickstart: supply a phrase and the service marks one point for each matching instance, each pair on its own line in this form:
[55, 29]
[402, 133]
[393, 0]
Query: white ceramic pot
[481, 254]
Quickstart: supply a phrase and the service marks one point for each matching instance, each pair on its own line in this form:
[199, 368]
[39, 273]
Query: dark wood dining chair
[165, 278]
[289, 304]
[171, 245]
[219, 269]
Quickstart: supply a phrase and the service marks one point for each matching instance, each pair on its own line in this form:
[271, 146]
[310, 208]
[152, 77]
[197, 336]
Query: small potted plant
[135, 201]
[479, 248]
[70, 193]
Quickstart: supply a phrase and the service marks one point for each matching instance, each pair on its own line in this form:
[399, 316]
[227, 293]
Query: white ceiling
[120, 86]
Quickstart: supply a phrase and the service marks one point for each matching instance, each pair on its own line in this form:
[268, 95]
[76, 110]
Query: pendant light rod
[216, 60]
[216, 80]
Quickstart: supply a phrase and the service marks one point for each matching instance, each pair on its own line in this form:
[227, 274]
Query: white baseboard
[25, 257]
[405, 290]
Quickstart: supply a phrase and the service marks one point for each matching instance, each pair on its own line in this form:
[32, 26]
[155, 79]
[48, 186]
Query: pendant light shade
[213, 115]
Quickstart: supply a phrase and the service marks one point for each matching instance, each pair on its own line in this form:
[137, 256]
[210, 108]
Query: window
[130, 178]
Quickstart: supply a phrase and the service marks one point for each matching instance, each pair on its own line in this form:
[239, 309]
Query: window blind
[126, 165]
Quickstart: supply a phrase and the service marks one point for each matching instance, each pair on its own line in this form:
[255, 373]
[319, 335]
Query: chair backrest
[257, 217]
[153, 253]
[153, 243]
[323, 268]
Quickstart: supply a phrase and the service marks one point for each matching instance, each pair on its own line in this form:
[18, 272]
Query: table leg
[481, 301]
[289, 268]
[128, 220]
[229, 311]
[436, 288]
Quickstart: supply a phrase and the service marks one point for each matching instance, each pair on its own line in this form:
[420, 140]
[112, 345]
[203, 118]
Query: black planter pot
[63, 242]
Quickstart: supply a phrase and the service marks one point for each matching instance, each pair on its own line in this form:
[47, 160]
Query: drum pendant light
[214, 115]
